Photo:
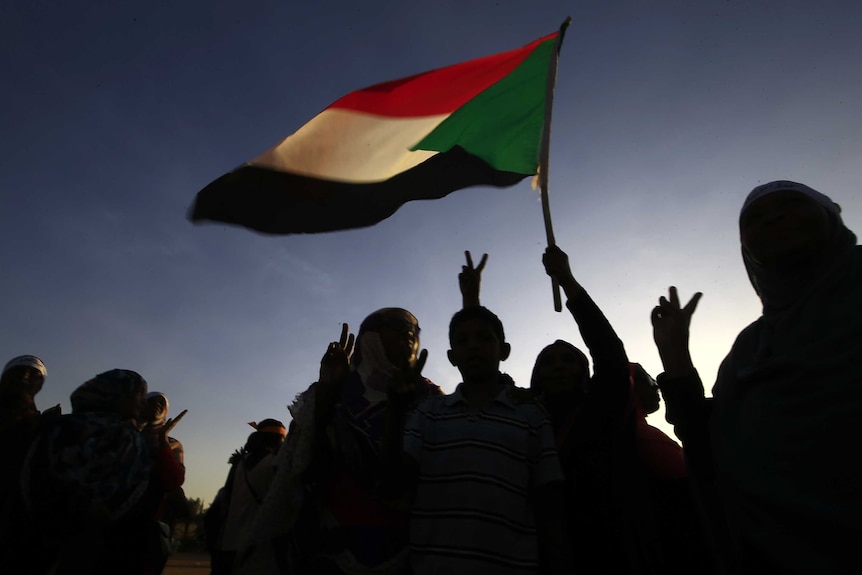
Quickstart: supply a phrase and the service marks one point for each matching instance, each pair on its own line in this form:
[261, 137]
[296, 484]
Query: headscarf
[780, 288]
[369, 359]
[28, 361]
[371, 370]
[160, 420]
[357, 426]
[388, 316]
[372, 365]
[788, 400]
[266, 439]
[93, 457]
[363, 404]
[269, 426]
[787, 186]
[565, 415]
[582, 359]
[106, 392]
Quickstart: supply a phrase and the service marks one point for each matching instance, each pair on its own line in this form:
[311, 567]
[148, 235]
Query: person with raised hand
[609, 510]
[167, 459]
[329, 509]
[486, 476]
[775, 450]
[479, 463]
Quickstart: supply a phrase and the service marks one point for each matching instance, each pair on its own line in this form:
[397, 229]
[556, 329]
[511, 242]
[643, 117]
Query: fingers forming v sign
[470, 279]
[336, 360]
[470, 266]
[671, 322]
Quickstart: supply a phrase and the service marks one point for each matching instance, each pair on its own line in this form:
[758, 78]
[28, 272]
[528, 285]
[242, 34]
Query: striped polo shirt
[478, 468]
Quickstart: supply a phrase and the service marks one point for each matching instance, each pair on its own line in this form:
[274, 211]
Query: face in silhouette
[560, 370]
[22, 378]
[783, 229]
[646, 390]
[155, 408]
[398, 331]
[476, 349]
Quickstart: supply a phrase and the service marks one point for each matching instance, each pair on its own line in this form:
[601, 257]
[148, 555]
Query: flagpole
[546, 152]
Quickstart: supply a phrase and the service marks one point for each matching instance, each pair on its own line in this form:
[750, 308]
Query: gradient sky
[114, 114]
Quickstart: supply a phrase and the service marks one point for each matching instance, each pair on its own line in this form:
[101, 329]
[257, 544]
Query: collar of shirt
[502, 396]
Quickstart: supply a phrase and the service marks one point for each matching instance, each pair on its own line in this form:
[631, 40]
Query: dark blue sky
[114, 115]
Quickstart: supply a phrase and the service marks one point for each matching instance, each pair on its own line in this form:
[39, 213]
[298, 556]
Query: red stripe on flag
[440, 91]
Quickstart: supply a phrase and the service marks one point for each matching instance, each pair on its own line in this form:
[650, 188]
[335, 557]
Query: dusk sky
[114, 114]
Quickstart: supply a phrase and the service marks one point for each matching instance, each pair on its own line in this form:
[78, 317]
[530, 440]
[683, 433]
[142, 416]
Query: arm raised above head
[605, 347]
[556, 263]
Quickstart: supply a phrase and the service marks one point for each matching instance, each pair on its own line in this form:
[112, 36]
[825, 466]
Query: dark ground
[188, 563]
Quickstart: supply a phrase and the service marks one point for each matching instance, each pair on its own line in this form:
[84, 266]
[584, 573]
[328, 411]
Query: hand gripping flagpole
[545, 152]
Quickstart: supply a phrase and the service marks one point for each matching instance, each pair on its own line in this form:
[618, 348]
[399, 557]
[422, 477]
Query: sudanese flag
[354, 164]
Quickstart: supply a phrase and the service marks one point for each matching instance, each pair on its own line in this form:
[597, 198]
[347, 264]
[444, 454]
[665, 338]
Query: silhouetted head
[119, 391]
[645, 388]
[785, 224]
[25, 373]
[395, 331]
[268, 436]
[560, 368]
[792, 239]
[477, 343]
[156, 408]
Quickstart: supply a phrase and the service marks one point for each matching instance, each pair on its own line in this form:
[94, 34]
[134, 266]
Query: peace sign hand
[404, 385]
[671, 331]
[335, 362]
[470, 280]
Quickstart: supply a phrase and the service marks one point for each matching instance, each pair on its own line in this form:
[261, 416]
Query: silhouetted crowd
[86, 492]
[380, 472]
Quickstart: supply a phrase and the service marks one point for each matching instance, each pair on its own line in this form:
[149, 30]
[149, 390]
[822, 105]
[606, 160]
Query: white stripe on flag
[349, 146]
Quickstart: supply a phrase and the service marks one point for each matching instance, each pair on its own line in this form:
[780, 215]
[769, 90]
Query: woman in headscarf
[775, 452]
[608, 509]
[85, 474]
[327, 507]
[155, 416]
[167, 475]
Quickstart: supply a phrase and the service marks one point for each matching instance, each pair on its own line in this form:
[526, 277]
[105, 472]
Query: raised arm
[670, 324]
[686, 406]
[606, 349]
[689, 410]
[169, 465]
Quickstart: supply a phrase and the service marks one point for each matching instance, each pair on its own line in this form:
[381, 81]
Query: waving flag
[354, 164]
